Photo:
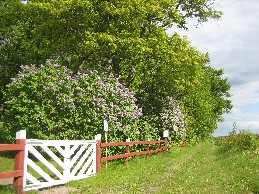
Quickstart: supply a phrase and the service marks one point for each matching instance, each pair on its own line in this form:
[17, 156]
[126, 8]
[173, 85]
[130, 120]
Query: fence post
[148, 148]
[166, 136]
[166, 144]
[19, 162]
[98, 138]
[158, 145]
[127, 151]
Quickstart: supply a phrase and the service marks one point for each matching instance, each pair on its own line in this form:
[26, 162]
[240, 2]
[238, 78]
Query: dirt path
[53, 190]
[58, 190]
[6, 181]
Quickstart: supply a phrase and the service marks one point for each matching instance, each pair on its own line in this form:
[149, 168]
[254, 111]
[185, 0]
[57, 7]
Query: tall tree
[127, 38]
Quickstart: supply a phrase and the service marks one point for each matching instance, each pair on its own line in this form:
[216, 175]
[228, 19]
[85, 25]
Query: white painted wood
[85, 166]
[59, 149]
[21, 134]
[94, 159]
[40, 171]
[53, 156]
[98, 137]
[25, 166]
[84, 156]
[32, 179]
[45, 162]
[78, 154]
[82, 159]
[66, 171]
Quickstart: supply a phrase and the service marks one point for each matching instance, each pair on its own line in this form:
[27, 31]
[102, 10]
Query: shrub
[51, 102]
[244, 140]
[172, 118]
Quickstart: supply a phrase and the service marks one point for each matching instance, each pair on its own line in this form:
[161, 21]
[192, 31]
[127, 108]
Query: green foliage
[244, 140]
[127, 39]
[52, 103]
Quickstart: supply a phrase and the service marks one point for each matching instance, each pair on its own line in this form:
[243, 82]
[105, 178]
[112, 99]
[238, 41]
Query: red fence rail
[18, 172]
[127, 153]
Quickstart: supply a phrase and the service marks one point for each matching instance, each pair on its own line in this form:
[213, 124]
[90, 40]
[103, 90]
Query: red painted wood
[148, 148]
[119, 156]
[158, 146]
[11, 147]
[166, 145]
[5, 175]
[98, 156]
[127, 152]
[19, 166]
[103, 145]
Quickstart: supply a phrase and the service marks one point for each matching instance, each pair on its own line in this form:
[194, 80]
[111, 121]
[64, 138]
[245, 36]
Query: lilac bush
[173, 118]
[51, 102]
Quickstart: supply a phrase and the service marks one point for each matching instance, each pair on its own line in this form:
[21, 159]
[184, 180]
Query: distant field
[199, 169]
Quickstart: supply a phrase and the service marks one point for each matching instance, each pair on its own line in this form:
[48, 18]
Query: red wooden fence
[19, 149]
[127, 154]
[18, 172]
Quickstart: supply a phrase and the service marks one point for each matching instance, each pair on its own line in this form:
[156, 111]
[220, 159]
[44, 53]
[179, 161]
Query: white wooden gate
[54, 162]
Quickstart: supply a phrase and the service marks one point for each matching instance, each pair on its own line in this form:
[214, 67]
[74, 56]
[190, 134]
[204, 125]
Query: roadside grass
[6, 161]
[204, 168]
[199, 169]
[6, 165]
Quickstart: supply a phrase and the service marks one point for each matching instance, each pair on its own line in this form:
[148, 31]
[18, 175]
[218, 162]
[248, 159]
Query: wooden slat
[81, 160]
[45, 162]
[11, 147]
[78, 154]
[119, 156]
[39, 171]
[130, 143]
[104, 159]
[32, 179]
[85, 166]
[5, 175]
[53, 156]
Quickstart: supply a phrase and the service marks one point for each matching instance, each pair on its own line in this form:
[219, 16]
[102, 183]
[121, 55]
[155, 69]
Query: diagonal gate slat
[77, 157]
[83, 169]
[53, 156]
[81, 161]
[90, 160]
[78, 154]
[32, 179]
[39, 170]
[60, 150]
[45, 162]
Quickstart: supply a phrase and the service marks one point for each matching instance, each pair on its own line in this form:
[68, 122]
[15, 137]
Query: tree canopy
[126, 38]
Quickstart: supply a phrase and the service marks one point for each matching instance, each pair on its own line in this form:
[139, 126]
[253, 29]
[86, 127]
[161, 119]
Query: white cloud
[232, 44]
[245, 94]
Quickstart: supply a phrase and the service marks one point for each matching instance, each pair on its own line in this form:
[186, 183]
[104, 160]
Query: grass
[6, 165]
[200, 169]
[204, 168]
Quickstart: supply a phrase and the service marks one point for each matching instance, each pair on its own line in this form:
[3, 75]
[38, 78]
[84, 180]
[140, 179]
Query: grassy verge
[204, 168]
[6, 165]
[200, 169]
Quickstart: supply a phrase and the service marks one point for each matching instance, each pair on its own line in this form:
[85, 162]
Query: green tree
[127, 38]
[92, 32]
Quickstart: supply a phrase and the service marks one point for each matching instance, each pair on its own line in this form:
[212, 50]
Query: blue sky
[233, 45]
